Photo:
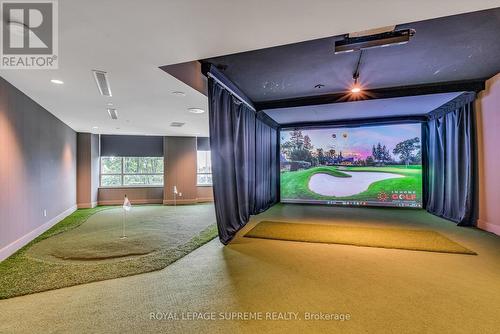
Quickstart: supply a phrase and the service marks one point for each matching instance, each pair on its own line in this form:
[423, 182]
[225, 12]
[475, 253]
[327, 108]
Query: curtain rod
[230, 91]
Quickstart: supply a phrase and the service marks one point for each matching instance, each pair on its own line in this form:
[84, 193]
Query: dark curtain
[266, 173]
[450, 160]
[243, 152]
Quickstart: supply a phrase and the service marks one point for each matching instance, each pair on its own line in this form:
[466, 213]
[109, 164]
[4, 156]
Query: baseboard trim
[180, 201]
[487, 226]
[14, 246]
[187, 201]
[205, 199]
[87, 205]
[135, 201]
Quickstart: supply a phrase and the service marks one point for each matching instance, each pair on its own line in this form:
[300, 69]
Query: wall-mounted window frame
[126, 172]
[203, 168]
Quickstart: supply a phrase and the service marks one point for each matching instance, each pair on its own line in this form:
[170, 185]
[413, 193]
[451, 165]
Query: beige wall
[180, 171]
[205, 194]
[136, 195]
[37, 169]
[95, 166]
[87, 169]
[488, 126]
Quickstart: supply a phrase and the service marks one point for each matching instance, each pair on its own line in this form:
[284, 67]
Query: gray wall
[37, 168]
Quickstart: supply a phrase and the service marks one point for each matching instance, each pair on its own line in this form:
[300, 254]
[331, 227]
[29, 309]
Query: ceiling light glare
[57, 81]
[356, 88]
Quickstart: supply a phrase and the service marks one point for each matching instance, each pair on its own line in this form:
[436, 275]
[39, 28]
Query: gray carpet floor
[383, 290]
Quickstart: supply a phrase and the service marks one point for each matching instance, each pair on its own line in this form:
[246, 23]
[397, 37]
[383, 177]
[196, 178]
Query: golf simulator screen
[376, 165]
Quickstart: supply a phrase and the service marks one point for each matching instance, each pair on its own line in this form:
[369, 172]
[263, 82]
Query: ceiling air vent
[177, 124]
[113, 113]
[101, 79]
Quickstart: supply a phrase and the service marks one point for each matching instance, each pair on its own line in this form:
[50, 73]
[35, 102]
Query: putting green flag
[126, 204]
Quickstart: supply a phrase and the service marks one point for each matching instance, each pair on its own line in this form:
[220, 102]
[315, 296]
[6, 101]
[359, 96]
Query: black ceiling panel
[454, 48]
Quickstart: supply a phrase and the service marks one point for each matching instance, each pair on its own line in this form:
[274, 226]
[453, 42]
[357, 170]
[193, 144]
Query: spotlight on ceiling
[350, 44]
[57, 81]
[196, 110]
[179, 93]
[356, 88]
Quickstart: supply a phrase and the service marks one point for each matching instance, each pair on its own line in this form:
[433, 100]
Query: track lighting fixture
[356, 88]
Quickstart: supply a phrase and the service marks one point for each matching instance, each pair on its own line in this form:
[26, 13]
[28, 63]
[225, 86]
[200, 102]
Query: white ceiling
[399, 106]
[131, 39]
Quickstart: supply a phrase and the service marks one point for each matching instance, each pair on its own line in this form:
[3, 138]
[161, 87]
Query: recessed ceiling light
[95, 127]
[196, 110]
[57, 81]
[179, 93]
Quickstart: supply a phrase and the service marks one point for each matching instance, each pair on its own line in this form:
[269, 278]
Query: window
[204, 177]
[131, 171]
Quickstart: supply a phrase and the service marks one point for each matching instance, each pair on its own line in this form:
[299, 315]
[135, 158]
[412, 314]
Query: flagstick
[175, 197]
[123, 224]
[126, 207]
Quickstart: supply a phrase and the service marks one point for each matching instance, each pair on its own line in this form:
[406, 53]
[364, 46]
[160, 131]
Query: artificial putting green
[295, 185]
[86, 246]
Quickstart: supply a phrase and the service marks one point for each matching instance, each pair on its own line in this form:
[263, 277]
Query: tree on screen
[307, 143]
[320, 154]
[381, 154]
[386, 155]
[301, 155]
[299, 148]
[297, 139]
[418, 157]
[408, 150]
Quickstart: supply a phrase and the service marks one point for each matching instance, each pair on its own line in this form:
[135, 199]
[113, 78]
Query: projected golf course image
[365, 166]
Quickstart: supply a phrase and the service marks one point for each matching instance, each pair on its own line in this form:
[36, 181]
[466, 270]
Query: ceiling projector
[380, 40]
